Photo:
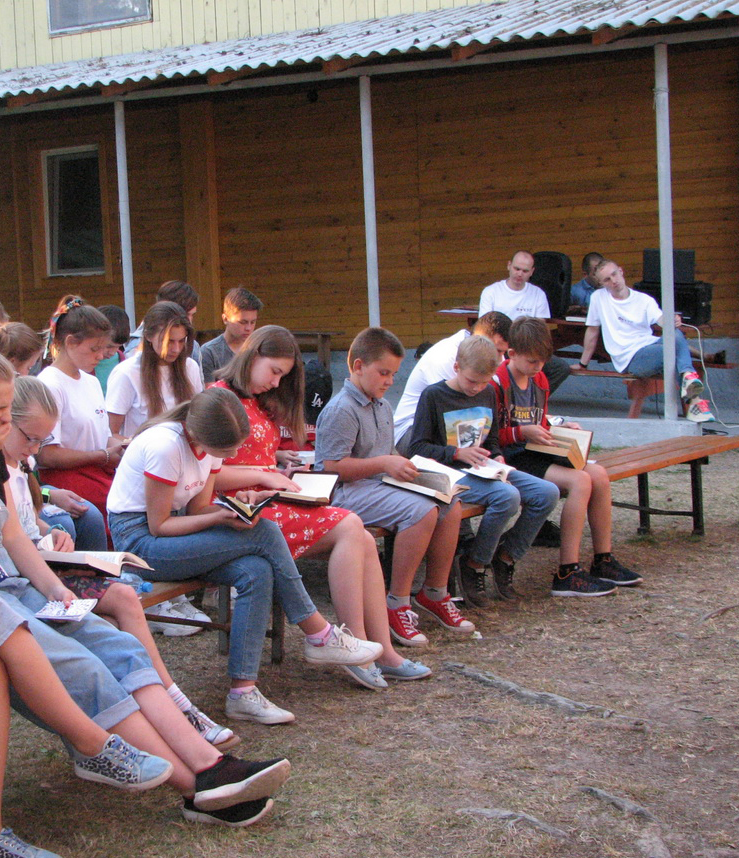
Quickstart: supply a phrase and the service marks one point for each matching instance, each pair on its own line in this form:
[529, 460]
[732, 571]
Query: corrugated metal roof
[408, 34]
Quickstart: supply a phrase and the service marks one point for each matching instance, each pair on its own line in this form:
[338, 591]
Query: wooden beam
[339, 64]
[113, 89]
[26, 98]
[606, 35]
[216, 78]
[200, 202]
[464, 52]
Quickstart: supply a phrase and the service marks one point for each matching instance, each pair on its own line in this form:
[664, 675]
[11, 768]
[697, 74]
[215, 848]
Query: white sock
[181, 700]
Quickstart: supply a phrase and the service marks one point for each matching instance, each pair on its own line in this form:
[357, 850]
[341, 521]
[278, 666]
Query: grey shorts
[381, 505]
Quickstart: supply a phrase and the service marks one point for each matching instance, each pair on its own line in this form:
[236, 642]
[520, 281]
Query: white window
[69, 16]
[74, 222]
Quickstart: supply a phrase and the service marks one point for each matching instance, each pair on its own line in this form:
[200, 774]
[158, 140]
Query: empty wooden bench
[639, 462]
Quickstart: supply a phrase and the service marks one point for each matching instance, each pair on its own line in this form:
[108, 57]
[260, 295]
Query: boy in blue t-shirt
[522, 393]
[456, 424]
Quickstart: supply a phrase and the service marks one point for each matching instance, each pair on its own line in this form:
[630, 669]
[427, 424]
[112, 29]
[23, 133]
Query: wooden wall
[470, 166]
[25, 40]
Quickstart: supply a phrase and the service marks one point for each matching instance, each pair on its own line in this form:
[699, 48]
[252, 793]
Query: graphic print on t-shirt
[523, 408]
[467, 427]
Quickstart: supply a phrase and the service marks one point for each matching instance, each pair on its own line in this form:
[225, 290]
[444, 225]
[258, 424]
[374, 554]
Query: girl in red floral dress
[267, 375]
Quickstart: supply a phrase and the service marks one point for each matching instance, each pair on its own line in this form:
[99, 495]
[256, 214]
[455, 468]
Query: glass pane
[75, 215]
[72, 14]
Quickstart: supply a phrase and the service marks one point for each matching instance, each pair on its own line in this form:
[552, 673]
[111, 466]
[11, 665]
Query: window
[74, 222]
[69, 16]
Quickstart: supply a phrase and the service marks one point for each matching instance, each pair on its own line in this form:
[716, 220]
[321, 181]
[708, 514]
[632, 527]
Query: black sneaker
[579, 583]
[473, 584]
[232, 781]
[549, 536]
[236, 816]
[503, 578]
[612, 571]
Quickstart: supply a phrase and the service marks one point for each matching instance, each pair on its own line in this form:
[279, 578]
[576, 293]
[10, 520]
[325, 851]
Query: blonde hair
[30, 392]
[477, 354]
[214, 418]
[7, 373]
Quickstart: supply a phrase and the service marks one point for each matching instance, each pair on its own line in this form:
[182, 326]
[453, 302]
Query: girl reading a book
[160, 507]
[267, 376]
[158, 376]
[82, 454]
[109, 675]
[34, 414]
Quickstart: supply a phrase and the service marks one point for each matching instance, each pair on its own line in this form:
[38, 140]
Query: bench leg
[643, 489]
[224, 616]
[696, 490]
[387, 558]
[278, 632]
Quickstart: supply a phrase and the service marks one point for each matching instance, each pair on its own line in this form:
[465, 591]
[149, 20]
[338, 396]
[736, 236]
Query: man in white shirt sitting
[516, 297]
[625, 318]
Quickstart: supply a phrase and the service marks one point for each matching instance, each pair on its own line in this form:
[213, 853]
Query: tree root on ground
[514, 816]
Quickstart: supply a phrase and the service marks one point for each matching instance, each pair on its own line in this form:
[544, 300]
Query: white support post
[124, 214]
[370, 211]
[664, 195]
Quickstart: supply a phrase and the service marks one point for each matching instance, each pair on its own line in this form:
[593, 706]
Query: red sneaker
[402, 623]
[444, 612]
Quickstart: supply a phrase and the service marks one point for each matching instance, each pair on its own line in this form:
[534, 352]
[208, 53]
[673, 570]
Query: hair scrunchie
[61, 311]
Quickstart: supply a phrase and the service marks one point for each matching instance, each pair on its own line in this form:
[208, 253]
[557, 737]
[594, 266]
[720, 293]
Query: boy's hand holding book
[476, 457]
[536, 434]
[400, 468]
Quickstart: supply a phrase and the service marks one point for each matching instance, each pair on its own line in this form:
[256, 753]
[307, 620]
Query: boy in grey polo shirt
[354, 437]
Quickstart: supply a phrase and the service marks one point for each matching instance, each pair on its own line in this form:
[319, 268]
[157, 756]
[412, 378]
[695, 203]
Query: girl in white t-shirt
[160, 507]
[82, 454]
[160, 374]
[34, 415]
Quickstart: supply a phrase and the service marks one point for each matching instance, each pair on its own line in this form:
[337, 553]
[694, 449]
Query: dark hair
[180, 292]
[119, 323]
[161, 318]
[74, 317]
[530, 336]
[213, 418]
[493, 323]
[589, 259]
[240, 299]
[18, 342]
[284, 404]
[371, 344]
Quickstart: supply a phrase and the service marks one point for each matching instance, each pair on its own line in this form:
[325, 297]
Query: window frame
[100, 25]
[46, 154]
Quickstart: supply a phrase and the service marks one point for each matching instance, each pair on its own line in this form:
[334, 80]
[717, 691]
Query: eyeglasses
[41, 442]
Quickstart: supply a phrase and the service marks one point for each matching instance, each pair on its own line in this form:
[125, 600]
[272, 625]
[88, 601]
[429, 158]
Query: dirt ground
[414, 770]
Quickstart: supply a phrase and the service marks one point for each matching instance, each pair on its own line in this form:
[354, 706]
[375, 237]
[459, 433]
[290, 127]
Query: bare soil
[407, 771]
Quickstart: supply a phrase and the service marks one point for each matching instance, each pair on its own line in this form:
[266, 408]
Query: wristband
[60, 527]
[46, 494]
[107, 457]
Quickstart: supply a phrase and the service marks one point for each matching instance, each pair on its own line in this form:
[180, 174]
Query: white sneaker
[691, 385]
[342, 648]
[184, 606]
[252, 705]
[166, 609]
[210, 597]
[699, 411]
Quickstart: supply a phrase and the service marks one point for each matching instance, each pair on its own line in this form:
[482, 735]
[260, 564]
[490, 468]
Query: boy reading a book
[354, 437]
[456, 424]
[522, 393]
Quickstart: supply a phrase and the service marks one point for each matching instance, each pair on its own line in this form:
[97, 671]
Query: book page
[315, 485]
[582, 437]
[424, 464]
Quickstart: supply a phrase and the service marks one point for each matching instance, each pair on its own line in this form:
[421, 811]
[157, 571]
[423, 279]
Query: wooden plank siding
[25, 40]
[470, 166]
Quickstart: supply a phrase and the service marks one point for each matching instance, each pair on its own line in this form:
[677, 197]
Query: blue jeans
[99, 665]
[537, 498]
[88, 531]
[253, 562]
[648, 361]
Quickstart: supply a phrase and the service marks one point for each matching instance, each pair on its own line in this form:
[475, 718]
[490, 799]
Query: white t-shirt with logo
[23, 502]
[83, 420]
[626, 325]
[125, 395]
[162, 453]
[529, 301]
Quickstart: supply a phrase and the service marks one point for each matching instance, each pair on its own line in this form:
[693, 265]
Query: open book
[570, 444]
[434, 480]
[491, 470]
[246, 512]
[93, 562]
[316, 488]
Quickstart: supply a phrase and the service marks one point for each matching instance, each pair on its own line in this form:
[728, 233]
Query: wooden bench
[639, 462]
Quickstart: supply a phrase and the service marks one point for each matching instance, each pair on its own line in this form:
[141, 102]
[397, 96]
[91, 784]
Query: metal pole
[370, 212]
[664, 195]
[124, 214]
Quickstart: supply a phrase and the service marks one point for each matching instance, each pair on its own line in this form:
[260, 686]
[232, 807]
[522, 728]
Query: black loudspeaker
[553, 274]
[692, 300]
[683, 264]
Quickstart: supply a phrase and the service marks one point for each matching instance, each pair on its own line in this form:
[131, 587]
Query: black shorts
[535, 463]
